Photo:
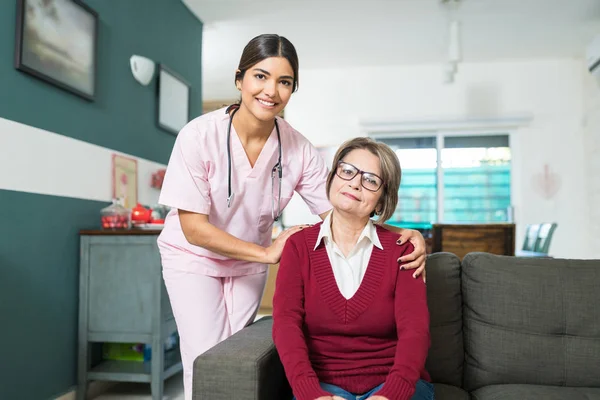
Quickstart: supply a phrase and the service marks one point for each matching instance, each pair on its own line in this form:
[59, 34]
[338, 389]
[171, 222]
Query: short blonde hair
[391, 173]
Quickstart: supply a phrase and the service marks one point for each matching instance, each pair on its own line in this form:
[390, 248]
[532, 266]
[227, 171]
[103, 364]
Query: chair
[537, 240]
[544, 237]
[531, 236]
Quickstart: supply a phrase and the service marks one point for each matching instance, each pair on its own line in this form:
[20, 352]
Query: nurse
[230, 175]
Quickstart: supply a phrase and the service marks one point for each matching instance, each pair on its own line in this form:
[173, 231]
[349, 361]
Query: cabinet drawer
[123, 295]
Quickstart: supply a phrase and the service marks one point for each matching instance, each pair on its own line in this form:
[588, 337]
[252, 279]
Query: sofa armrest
[245, 366]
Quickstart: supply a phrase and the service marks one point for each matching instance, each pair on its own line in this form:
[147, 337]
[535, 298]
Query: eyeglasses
[369, 180]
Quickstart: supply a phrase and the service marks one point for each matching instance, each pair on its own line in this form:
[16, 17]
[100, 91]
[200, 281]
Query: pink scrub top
[197, 180]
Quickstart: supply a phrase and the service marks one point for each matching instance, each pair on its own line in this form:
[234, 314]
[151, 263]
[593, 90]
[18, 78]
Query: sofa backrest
[446, 355]
[530, 321]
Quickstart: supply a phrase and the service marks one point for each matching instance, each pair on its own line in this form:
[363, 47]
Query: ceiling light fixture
[454, 40]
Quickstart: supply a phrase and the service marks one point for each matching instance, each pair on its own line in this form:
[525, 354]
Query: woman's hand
[331, 398]
[198, 231]
[377, 398]
[417, 258]
[273, 252]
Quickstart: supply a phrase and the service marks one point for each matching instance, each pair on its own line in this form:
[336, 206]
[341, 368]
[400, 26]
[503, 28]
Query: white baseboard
[95, 389]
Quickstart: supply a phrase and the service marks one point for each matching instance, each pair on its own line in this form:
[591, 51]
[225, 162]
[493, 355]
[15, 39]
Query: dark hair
[391, 173]
[265, 46]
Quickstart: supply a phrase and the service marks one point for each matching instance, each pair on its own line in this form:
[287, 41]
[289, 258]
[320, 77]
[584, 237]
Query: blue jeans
[424, 391]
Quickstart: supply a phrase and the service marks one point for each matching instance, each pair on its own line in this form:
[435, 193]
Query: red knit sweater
[380, 335]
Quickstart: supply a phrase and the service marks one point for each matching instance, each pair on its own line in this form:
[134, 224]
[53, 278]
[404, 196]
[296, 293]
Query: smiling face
[350, 196]
[267, 87]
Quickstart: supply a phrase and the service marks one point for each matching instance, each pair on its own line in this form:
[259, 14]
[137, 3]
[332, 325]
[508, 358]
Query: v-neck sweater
[379, 335]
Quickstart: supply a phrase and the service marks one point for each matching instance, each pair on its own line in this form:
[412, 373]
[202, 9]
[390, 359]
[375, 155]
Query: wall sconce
[142, 69]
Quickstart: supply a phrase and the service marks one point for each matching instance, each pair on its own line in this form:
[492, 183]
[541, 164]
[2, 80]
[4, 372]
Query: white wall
[57, 165]
[592, 150]
[330, 103]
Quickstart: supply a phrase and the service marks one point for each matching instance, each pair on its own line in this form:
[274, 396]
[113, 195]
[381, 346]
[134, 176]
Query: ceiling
[343, 33]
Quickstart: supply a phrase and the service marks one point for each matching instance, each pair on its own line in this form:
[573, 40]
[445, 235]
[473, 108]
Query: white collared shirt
[349, 271]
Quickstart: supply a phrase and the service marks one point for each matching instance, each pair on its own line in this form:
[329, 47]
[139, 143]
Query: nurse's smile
[266, 104]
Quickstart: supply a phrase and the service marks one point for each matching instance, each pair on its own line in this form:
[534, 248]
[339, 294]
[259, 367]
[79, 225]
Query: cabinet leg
[83, 365]
[82, 376]
[157, 388]
[158, 367]
[81, 391]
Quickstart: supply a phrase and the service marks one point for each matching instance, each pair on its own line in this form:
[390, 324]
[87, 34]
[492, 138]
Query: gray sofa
[501, 328]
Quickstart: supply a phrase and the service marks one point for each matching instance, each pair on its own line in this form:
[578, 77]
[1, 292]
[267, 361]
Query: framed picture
[56, 41]
[173, 100]
[125, 180]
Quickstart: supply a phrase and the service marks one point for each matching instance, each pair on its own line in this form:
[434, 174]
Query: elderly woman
[347, 322]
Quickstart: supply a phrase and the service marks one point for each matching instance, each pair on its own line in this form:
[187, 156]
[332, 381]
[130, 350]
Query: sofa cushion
[534, 392]
[534, 321]
[446, 356]
[448, 392]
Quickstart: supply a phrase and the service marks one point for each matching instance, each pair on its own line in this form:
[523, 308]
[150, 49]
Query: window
[417, 203]
[452, 179]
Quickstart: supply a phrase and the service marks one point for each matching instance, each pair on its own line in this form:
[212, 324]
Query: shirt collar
[369, 232]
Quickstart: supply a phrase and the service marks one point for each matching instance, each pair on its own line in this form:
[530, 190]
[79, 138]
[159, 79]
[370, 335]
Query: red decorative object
[157, 178]
[115, 222]
[546, 183]
[115, 216]
[141, 215]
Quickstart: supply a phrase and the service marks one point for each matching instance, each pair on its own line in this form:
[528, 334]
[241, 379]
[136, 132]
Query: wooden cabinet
[461, 239]
[123, 299]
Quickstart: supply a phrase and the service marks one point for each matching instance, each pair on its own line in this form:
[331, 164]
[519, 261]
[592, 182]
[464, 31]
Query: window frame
[440, 129]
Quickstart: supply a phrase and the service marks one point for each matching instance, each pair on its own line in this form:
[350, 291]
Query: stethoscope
[277, 168]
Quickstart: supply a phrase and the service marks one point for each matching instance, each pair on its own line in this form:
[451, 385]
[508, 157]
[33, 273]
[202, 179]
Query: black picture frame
[173, 95]
[67, 58]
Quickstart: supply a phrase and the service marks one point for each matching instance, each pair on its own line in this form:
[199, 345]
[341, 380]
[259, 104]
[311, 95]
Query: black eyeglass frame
[361, 172]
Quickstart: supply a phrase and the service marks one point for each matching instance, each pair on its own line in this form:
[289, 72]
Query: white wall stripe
[38, 161]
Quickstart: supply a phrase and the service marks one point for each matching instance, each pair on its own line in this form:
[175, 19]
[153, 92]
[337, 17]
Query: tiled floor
[141, 391]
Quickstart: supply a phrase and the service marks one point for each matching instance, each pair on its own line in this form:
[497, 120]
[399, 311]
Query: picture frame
[56, 41]
[172, 100]
[125, 180]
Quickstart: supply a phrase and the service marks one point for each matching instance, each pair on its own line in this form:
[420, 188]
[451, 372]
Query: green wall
[123, 115]
[39, 292]
[39, 233]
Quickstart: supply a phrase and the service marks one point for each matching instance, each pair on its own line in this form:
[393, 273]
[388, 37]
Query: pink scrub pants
[207, 309]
